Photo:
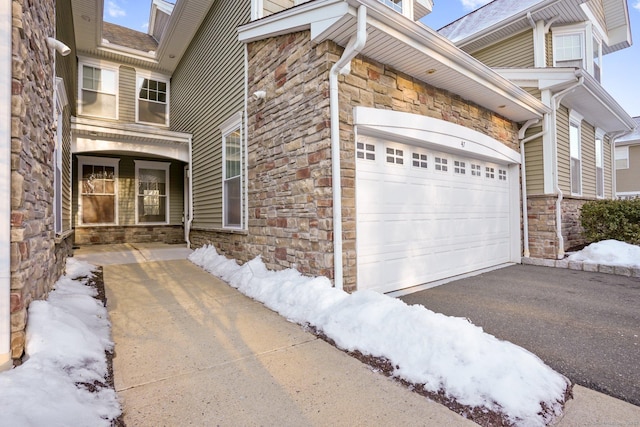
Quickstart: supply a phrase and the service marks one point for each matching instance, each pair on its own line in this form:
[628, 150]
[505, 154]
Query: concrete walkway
[191, 350]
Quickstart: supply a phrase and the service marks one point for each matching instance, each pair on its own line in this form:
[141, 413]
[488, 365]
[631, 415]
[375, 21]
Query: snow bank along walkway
[191, 350]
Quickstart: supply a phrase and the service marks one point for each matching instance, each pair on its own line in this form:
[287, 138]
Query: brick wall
[37, 258]
[289, 150]
[171, 234]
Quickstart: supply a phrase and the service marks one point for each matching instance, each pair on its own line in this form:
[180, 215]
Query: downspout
[343, 66]
[5, 188]
[246, 138]
[555, 103]
[523, 140]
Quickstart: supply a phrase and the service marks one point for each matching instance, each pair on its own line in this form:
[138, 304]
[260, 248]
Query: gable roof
[409, 47]
[500, 19]
[126, 37]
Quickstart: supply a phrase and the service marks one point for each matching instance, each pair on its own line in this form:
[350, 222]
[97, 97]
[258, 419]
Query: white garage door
[425, 215]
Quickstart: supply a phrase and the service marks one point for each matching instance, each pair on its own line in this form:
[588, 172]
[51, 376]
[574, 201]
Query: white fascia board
[442, 50]
[84, 126]
[603, 97]
[544, 78]
[295, 19]
[93, 145]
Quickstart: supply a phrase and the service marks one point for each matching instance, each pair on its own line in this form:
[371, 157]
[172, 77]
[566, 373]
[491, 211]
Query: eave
[590, 99]
[405, 45]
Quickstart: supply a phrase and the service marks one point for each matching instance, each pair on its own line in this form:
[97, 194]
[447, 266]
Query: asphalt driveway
[584, 325]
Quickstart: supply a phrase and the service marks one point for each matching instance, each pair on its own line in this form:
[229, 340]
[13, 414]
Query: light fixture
[502, 106]
[86, 18]
[431, 71]
[171, 56]
[260, 94]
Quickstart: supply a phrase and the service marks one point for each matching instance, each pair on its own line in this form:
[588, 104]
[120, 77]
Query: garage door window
[366, 151]
[490, 172]
[459, 167]
[476, 170]
[395, 156]
[442, 164]
[420, 160]
[502, 174]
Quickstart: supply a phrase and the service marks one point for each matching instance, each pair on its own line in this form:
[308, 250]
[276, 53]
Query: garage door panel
[417, 225]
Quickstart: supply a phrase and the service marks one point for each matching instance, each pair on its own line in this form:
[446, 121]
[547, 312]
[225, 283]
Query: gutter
[5, 189]
[523, 140]
[555, 103]
[343, 66]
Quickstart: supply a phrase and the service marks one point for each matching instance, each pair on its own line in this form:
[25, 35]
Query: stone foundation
[170, 234]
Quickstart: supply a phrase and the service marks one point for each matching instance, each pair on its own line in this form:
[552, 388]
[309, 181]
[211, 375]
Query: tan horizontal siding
[127, 94]
[516, 51]
[608, 185]
[126, 191]
[549, 49]
[66, 170]
[588, 152]
[564, 171]
[534, 164]
[206, 89]
[275, 6]
[629, 179]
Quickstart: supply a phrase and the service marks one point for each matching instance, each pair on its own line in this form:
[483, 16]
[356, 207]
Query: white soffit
[408, 47]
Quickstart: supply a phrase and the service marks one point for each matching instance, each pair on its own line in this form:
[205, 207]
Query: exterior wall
[206, 89]
[628, 180]
[609, 191]
[597, 8]
[516, 51]
[549, 49]
[37, 259]
[562, 135]
[127, 227]
[534, 163]
[127, 94]
[588, 146]
[289, 157]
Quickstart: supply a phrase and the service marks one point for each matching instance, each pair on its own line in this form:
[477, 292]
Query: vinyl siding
[597, 8]
[564, 171]
[516, 51]
[588, 152]
[127, 189]
[629, 179]
[608, 184]
[127, 94]
[274, 6]
[534, 91]
[66, 169]
[534, 163]
[549, 49]
[206, 89]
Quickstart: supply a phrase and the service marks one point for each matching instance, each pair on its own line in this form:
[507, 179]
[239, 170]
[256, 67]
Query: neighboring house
[554, 50]
[627, 159]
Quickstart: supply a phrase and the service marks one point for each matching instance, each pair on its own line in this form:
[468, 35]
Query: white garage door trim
[441, 136]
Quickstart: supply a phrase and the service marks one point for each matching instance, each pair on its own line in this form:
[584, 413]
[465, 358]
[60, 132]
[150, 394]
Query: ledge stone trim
[583, 266]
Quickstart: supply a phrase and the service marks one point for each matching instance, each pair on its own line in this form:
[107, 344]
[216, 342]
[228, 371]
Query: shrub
[612, 219]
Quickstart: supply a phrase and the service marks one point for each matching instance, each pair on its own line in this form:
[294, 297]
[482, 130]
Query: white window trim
[257, 9]
[232, 123]
[566, 30]
[165, 166]
[600, 140]
[624, 150]
[105, 66]
[100, 161]
[575, 119]
[152, 76]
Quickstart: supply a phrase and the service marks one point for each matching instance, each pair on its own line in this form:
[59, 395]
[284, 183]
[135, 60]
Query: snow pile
[609, 252]
[67, 336]
[444, 353]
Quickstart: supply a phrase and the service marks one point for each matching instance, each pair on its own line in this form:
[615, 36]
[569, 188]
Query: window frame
[624, 150]
[140, 77]
[231, 125]
[575, 121]
[98, 161]
[102, 65]
[599, 145]
[160, 166]
[590, 41]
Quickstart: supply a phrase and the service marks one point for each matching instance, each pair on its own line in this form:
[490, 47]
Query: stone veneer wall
[289, 159]
[37, 257]
[541, 212]
[171, 234]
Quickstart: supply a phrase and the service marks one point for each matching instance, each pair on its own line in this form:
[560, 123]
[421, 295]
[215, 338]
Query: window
[152, 199]
[502, 175]
[98, 94]
[395, 155]
[98, 190]
[576, 163]
[476, 170]
[490, 172]
[597, 58]
[393, 4]
[567, 50]
[599, 167]
[152, 103]
[459, 167]
[441, 164]
[419, 160]
[232, 173]
[622, 157]
[366, 151]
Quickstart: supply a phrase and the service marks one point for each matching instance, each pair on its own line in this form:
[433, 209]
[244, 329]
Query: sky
[618, 76]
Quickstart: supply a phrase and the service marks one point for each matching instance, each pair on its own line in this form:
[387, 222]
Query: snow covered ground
[68, 334]
[67, 337]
